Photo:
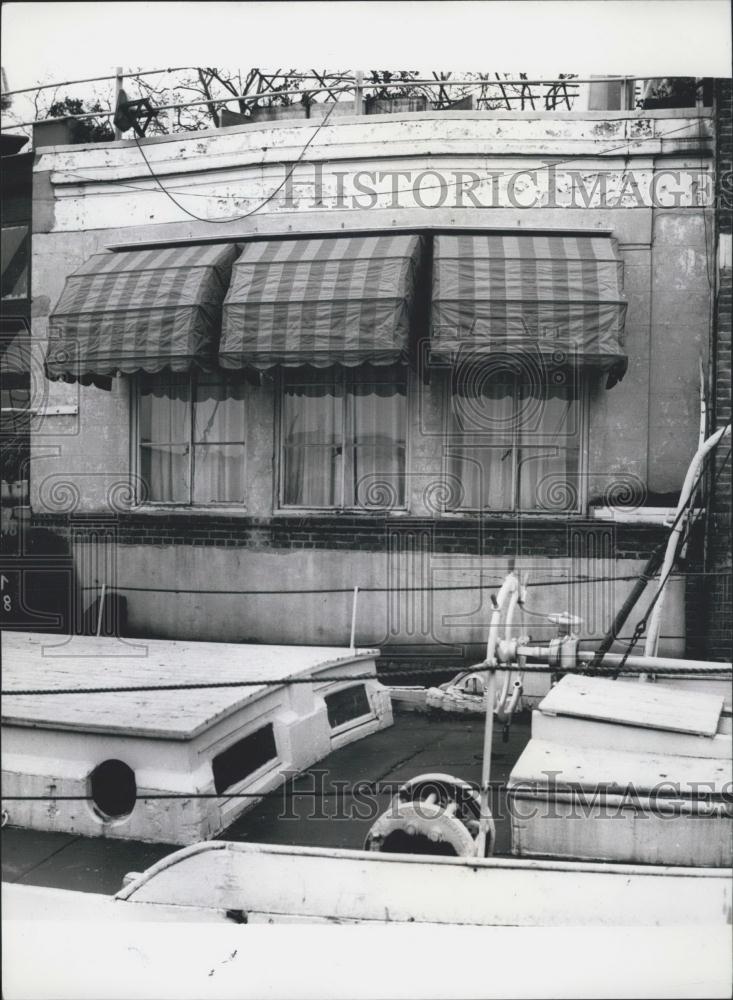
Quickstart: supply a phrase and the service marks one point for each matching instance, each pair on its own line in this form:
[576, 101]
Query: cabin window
[113, 789]
[244, 757]
[516, 445]
[343, 438]
[347, 704]
[191, 432]
[15, 259]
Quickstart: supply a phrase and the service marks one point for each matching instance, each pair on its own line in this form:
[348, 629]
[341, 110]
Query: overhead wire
[393, 192]
[265, 201]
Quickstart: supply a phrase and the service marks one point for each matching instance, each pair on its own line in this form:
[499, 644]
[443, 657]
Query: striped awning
[561, 295]
[320, 302]
[144, 310]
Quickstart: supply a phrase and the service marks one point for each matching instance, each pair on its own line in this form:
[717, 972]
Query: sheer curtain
[548, 449]
[376, 438]
[193, 427]
[343, 434]
[165, 429]
[219, 437]
[517, 447]
[483, 458]
[312, 434]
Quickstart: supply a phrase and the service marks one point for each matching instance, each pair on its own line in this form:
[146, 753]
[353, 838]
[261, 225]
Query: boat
[605, 806]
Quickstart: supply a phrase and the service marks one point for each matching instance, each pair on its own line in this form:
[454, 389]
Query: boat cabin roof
[41, 661]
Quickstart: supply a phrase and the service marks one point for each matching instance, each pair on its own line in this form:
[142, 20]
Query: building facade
[399, 352]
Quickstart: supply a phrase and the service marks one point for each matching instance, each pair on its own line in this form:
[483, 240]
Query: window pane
[346, 425]
[165, 411]
[219, 410]
[484, 474]
[243, 758]
[376, 445]
[549, 455]
[164, 438]
[14, 263]
[312, 437]
[347, 704]
[165, 470]
[483, 464]
[218, 473]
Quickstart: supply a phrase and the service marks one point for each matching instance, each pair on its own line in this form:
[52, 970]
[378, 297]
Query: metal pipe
[688, 488]
[101, 608]
[484, 815]
[119, 79]
[91, 79]
[539, 654]
[508, 587]
[353, 619]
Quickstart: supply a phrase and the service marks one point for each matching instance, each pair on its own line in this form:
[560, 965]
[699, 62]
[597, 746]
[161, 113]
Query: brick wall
[719, 618]
[370, 533]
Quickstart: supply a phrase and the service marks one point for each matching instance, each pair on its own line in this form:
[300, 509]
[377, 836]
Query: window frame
[452, 450]
[136, 448]
[280, 508]
[356, 721]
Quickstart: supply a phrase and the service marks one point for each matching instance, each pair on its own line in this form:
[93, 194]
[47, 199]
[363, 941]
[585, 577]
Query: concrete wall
[641, 434]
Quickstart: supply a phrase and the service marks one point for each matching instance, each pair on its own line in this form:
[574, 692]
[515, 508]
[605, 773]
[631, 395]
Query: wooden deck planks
[552, 764]
[34, 660]
[635, 703]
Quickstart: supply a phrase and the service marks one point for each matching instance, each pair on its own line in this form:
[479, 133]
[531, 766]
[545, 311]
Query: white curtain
[343, 434]
[212, 424]
[376, 436]
[483, 454]
[313, 418]
[219, 438]
[165, 430]
[516, 447]
[548, 450]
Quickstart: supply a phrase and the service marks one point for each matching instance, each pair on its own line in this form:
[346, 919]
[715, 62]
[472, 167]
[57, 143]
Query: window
[192, 438]
[113, 789]
[14, 263]
[343, 438]
[516, 444]
[347, 704]
[244, 757]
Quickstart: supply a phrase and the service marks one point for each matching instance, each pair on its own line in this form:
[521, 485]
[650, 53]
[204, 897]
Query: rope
[377, 787]
[538, 668]
[362, 590]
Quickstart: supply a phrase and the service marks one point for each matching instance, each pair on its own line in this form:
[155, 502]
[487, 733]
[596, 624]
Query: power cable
[246, 215]
[393, 191]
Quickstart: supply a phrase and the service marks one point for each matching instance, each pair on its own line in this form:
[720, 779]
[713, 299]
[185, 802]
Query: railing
[289, 94]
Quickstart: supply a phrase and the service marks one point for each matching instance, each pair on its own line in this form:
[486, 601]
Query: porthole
[113, 789]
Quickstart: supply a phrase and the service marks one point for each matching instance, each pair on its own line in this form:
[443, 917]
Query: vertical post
[100, 613]
[118, 87]
[699, 93]
[358, 90]
[625, 104]
[352, 644]
[485, 822]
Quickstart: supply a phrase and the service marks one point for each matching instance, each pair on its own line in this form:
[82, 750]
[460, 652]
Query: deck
[38, 661]
[323, 807]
